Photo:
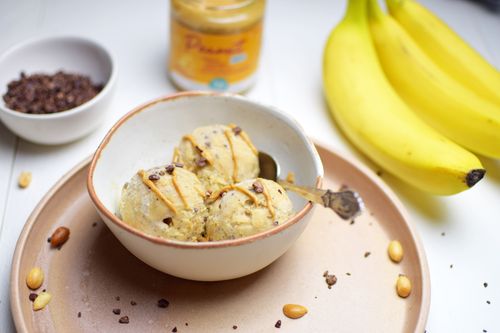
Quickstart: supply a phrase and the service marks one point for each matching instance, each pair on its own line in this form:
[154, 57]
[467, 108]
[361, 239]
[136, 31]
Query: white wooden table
[463, 231]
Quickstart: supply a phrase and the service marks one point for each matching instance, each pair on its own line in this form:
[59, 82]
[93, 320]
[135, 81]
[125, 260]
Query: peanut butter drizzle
[214, 196]
[227, 133]
[155, 189]
[265, 192]
[269, 200]
[245, 138]
[203, 153]
[200, 192]
[178, 190]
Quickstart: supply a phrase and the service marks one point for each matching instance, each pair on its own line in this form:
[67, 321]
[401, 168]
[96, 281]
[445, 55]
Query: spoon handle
[347, 204]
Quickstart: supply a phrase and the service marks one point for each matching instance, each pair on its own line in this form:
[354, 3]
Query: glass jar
[215, 44]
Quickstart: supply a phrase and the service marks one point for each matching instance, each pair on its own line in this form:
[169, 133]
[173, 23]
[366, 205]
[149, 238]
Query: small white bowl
[48, 55]
[146, 137]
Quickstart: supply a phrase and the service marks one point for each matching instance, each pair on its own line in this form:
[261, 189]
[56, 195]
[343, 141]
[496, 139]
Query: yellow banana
[379, 123]
[445, 104]
[447, 49]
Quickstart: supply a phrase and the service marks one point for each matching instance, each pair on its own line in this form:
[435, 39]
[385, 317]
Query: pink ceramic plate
[92, 270]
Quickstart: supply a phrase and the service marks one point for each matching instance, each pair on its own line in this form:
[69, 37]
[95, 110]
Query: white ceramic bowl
[48, 55]
[146, 137]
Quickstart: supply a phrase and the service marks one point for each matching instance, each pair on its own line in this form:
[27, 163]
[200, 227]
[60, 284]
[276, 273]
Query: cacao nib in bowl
[43, 93]
[57, 71]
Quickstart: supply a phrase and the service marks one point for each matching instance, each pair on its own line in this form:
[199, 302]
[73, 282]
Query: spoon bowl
[346, 203]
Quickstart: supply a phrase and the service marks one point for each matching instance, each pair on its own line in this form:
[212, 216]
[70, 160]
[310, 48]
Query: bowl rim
[107, 85]
[198, 245]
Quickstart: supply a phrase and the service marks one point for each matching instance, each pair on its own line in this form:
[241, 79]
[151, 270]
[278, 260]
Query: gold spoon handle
[347, 204]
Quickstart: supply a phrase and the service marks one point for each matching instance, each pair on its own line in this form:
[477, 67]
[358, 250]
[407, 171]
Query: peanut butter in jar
[215, 44]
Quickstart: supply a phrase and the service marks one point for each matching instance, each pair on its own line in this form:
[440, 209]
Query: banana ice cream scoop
[219, 155]
[167, 202]
[247, 208]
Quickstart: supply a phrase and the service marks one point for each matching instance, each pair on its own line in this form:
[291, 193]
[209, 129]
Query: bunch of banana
[447, 49]
[454, 110]
[377, 120]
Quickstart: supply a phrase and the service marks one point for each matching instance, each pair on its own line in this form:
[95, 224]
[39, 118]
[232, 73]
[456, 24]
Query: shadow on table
[110, 264]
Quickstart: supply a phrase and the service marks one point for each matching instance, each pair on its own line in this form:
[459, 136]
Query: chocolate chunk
[133, 303]
[485, 284]
[367, 254]
[33, 296]
[123, 320]
[276, 222]
[117, 311]
[330, 279]
[279, 191]
[237, 130]
[49, 240]
[257, 187]
[179, 165]
[235, 327]
[201, 162]
[278, 324]
[79, 315]
[163, 303]
[117, 298]
[167, 220]
[169, 168]
[94, 224]
[154, 177]
[174, 329]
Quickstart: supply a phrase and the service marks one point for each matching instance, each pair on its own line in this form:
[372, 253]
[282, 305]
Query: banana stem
[356, 10]
[374, 10]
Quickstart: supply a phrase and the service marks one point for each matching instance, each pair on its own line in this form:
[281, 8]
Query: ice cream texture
[219, 155]
[247, 208]
[209, 193]
[167, 202]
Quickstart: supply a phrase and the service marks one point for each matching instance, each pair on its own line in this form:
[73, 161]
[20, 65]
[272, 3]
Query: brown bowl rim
[172, 243]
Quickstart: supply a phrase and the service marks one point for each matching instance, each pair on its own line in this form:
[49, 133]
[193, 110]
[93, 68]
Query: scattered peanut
[59, 237]
[395, 251]
[24, 179]
[41, 301]
[403, 286]
[294, 311]
[35, 278]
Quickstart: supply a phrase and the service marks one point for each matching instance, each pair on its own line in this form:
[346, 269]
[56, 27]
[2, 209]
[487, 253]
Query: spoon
[347, 204]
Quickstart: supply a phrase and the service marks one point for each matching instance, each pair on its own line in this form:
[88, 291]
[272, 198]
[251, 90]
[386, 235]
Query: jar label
[214, 60]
